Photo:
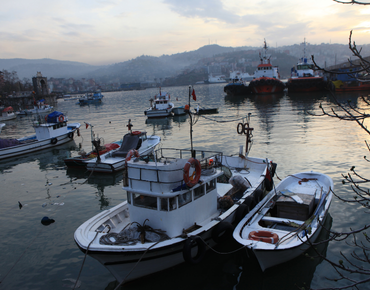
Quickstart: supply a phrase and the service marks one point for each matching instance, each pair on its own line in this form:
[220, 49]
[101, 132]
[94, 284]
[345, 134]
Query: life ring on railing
[192, 180]
[132, 153]
[54, 141]
[264, 236]
[61, 118]
[194, 241]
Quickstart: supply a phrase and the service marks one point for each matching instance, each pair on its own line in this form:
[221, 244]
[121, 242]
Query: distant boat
[91, 98]
[39, 108]
[304, 78]
[8, 114]
[236, 76]
[267, 77]
[160, 106]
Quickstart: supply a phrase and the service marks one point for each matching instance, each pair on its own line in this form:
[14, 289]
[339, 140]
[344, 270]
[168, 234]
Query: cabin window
[210, 185]
[129, 197]
[164, 204]
[144, 201]
[199, 191]
[184, 198]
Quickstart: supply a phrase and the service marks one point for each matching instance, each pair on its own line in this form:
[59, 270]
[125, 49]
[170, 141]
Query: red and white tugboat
[267, 78]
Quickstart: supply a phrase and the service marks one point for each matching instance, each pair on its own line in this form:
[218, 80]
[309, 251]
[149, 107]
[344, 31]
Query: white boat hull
[289, 221]
[158, 113]
[37, 145]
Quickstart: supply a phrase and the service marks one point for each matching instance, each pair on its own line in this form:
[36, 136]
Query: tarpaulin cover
[4, 143]
[53, 117]
[8, 109]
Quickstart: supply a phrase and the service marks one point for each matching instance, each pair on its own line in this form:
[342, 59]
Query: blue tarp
[53, 117]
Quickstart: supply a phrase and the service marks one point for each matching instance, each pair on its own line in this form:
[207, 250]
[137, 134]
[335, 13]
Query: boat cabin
[156, 191]
[161, 101]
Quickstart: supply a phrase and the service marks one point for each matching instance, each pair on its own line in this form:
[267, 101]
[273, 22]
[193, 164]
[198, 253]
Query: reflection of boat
[279, 227]
[304, 78]
[160, 106]
[180, 119]
[51, 132]
[115, 160]
[267, 78]
[89, 98]
[8, 114]
[164, 205]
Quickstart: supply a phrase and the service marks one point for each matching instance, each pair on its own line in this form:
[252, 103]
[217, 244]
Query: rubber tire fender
[54, 141]
[186, 251]
[241, 212]
[222, 232]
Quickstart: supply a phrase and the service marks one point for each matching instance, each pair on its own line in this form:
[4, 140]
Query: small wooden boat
[52, 131]
[202, 111]
[279, 227]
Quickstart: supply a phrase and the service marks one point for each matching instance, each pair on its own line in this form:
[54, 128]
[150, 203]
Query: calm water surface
[34, 256]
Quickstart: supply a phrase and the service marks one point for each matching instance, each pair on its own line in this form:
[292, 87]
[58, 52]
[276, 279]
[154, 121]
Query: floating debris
[46, 221]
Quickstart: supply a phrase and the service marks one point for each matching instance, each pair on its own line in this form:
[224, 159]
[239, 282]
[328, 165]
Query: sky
[100, 32]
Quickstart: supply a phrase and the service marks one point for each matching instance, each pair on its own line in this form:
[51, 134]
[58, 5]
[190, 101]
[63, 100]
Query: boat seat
[129, 142]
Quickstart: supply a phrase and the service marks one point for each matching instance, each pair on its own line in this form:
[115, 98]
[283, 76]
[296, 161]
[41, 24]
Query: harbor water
[34, 256]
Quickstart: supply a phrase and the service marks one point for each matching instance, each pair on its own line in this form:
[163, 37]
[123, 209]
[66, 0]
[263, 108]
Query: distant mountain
[27, 68]
[147, 68]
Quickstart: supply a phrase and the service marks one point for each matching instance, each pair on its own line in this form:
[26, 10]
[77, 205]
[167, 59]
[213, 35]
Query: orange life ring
[61, 118]
[46, 118]
[264, 236]
[192, 180]
[131, 153]
[135, 132]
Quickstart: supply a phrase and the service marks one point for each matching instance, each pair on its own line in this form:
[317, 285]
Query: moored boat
[266, 77]
[7, 114]
[179, 203]
[52, 131]
[290, 217]
[89, 98]
[304, 78]
[160, 107]
[39, 108]
[178, 111]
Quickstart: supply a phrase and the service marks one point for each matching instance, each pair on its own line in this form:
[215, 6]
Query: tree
[350, 269]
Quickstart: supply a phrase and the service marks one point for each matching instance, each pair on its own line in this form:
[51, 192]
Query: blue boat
[91, 98]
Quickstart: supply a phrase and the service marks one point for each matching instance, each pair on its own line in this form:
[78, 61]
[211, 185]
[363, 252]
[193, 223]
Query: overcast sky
[106, 32]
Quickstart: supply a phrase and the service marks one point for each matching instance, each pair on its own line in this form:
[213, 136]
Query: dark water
[34, 256]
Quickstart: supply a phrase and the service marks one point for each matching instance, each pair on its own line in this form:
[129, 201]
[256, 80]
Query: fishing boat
[39, 108]
[178, 111]
[52, 131]
[160, 107]
[179, 203]
[90, 98]
[8, 114]
[79, 162]
[266, 77]
[203, 111]
[290, 217]
[115, 160]
[304, 78]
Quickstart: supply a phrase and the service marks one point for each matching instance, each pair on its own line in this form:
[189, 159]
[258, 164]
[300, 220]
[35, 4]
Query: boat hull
[265, 85]
[34, 146]
[158, 113]
[237, 89]
[306, 84]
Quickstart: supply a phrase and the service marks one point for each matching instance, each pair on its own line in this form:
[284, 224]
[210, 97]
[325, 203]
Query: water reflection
[159, 124]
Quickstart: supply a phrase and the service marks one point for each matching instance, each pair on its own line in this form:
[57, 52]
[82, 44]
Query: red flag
[194, 96]
[87, 125]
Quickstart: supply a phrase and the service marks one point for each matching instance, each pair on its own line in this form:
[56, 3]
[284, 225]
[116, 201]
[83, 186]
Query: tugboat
[304, 78]
[267, 77]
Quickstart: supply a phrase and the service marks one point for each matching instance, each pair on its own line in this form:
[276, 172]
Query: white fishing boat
[50, 132]
[160, 106]
[115, 160]
[40, 108]
[179, 202]
[290, 217]
[8, 114]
